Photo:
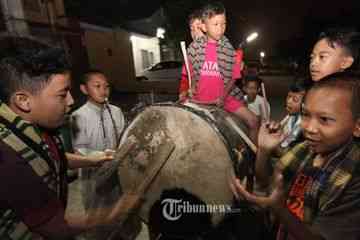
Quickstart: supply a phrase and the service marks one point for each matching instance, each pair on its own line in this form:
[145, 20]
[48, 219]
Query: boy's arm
[64, 225]
[262, 167]
[184, 84]
[77, 160]
[79, 132]
[236, 74]
[298, 230]
[229, 87]
[269, 138]
[276, 202]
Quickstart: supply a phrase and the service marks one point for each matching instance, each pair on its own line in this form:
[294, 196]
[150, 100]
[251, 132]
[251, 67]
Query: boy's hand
[270, 136]
[99, 159]
[275, 200]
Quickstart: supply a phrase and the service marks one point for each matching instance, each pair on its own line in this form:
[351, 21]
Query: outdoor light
[160, 33]
[252, 37]
[132, 38]
[262, 54]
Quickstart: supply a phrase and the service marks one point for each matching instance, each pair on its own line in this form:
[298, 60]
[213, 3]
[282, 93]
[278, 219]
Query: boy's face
[327, 119]
[96, 88]
[293, 102]
[195, 28]
[326, 60]
[215, 26]
[48, 108]
[251, 89]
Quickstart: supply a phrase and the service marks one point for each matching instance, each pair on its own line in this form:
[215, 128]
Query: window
[145, 59]
[151, 60]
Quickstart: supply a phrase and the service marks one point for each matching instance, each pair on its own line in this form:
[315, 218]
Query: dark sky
[283, 19]
[274, 19]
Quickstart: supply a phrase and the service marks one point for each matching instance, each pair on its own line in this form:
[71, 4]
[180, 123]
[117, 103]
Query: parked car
[162, 71]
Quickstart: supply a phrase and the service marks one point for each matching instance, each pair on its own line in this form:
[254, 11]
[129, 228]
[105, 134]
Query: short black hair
[196, 14]
[251, 78]
[211, 9]
[345, 37]
[87, 75]
[344, 81]
[298, 86]
[28, 64]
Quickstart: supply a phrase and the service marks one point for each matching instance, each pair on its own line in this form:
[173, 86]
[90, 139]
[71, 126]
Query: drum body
[200, 162]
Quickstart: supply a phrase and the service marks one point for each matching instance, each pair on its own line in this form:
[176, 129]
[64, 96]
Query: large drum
[193, 150]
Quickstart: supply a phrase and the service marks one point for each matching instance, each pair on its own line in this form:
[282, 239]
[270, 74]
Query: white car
[163, 71]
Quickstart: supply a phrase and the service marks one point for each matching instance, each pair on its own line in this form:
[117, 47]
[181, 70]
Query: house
[121, 52]
[46, 20]
[146, 51]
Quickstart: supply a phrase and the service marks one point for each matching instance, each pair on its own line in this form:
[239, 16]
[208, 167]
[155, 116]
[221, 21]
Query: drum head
[194, 158]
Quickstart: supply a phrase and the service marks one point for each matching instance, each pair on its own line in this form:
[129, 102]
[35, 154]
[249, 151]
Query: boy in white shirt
[253, 99]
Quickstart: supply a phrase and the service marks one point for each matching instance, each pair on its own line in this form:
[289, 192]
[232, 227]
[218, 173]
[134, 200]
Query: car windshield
[166, 65]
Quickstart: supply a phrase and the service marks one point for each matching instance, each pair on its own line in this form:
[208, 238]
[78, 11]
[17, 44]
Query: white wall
[141, 42]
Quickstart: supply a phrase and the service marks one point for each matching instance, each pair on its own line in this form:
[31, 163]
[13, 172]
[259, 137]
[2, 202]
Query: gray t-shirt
[94, 129]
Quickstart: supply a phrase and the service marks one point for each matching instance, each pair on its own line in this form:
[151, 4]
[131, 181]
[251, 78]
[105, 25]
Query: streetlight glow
[133, 38]
[262, 54]
[160, 32]
[252, 37]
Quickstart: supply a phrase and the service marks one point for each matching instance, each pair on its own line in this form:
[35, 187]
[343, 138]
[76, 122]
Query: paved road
[276, 91]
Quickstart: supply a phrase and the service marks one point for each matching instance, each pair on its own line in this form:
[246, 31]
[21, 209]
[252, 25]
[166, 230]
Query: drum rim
[211, 122]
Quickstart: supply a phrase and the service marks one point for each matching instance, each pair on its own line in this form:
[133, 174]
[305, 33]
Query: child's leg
[237, 107]
[251, 121]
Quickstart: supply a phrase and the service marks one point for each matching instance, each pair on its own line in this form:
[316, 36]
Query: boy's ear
[21, 100]
[347, 62]
[356, 131]
[83, 89]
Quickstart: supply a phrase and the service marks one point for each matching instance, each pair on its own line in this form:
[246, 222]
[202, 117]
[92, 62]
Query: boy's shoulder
[115, 108]
[112, 106]
[80, 110]
[85, 111]
[258, 98]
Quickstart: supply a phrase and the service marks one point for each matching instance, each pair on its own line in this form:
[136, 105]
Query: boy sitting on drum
[316, 186]
[214, 67]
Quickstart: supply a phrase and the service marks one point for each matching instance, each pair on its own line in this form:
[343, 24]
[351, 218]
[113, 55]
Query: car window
[175, 64]
[166, 65]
